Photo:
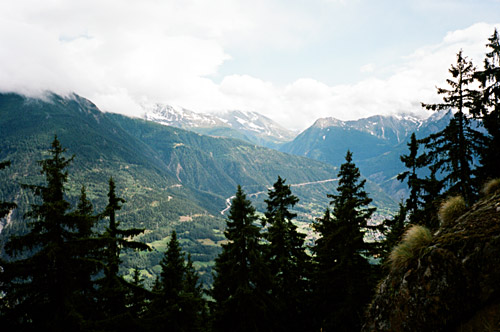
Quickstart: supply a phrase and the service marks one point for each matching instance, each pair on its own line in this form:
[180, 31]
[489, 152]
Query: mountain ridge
[171, 178]
[377, 142]
[245, 125]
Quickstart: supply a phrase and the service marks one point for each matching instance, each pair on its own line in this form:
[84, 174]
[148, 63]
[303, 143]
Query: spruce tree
[195, 306]
[432, 189]
[177, 303]
[113, 288]
[137, 298]
[452, 150]
[85, 250]
[172, 275]
[39, 287]
[343, 278]
[423, 201]
[413, 162]
[241, 281]
[86, 220]
[287, 260]
[489, 79]
[166, 304]
[350, 205]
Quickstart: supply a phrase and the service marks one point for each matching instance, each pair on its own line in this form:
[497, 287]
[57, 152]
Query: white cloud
[300, 103]
[122, 54]
[246, 87]
[368, 68]
[20, 71]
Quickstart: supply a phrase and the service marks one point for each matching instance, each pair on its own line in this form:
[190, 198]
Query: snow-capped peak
[247, 122]
[180, 117]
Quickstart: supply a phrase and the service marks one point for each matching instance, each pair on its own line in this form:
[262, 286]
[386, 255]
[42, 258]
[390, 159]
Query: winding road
[255, 194]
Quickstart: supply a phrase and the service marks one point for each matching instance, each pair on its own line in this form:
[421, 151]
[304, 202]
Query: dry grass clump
[451, 209]
[491, 187]
[414, 241]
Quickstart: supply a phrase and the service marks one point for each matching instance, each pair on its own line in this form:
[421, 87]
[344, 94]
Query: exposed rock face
[453, 284]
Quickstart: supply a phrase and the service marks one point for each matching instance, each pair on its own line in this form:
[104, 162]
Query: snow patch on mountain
[179, 117]
[248, 123]
[392, 128]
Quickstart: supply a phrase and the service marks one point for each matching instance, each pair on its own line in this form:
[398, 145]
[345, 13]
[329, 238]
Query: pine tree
[172, 274]
[343, 279]
[167, 302]
[113, 288]
[86, 252]
[84, 215]
[350, 205]
[489, 79]
[421, 205]
[286, 257]
[279, 200]
[137, 297]
[39, 288]
[413, 162]
[432, 189]
[195, 306]
[241, 281]
[178, 303]
[452, 150]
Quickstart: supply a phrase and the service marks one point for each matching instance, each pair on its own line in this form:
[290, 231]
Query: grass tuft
[414, 241]
[451, 209]
[491, 187]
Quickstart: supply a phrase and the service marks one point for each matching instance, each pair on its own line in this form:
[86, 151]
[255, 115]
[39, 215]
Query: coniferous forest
[63, 273]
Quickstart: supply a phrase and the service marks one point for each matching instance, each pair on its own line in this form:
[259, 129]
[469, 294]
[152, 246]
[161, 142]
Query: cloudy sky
[291, 60]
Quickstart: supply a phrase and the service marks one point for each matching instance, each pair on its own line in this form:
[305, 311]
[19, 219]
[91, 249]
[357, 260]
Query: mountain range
[377, 142]
[178, 169]
[171, 178]
[248, 126]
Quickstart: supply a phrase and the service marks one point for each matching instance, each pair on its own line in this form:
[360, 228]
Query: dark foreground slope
[453, 284]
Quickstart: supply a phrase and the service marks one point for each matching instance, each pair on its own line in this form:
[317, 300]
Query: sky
[291, 60]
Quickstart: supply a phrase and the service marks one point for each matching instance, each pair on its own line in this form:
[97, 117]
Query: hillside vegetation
[171, 179]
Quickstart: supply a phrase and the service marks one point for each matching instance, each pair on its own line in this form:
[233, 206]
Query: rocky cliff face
[451, 285]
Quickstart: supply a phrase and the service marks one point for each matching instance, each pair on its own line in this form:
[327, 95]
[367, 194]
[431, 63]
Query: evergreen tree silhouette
[343, 278]
[242, 280]
[489, 111]
[413, 162]
[177, 304]
[113, 288]
[39, 287]
[287, 260]
[451, 151]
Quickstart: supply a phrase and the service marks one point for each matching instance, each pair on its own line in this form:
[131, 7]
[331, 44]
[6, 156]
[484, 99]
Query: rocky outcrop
[451, 285]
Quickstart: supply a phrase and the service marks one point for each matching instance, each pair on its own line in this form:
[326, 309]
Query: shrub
[451, 209]
[491, 187]
[414, 241]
